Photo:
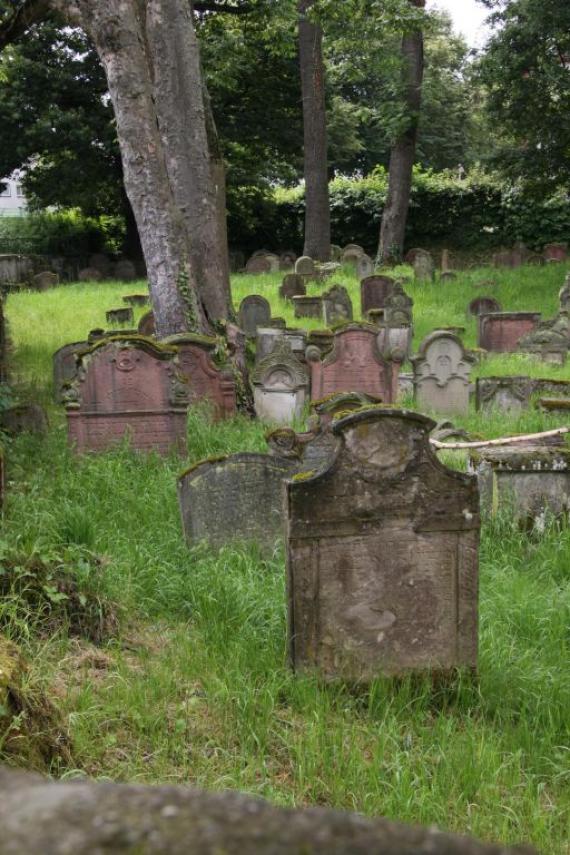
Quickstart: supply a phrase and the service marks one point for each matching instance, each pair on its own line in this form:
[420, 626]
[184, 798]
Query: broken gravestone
[382, 555]
[254, 312]
[500, 332]
[127, 387]
[280, 385]
[337, 306]
[442, 372]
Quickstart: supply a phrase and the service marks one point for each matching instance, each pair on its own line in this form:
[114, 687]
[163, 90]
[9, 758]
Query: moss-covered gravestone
[382, 555]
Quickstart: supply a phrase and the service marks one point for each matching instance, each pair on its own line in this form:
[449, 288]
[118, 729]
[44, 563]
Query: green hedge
[65, 233]
[478, 213]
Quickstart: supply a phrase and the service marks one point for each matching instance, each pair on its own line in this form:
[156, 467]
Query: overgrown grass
[198, 690]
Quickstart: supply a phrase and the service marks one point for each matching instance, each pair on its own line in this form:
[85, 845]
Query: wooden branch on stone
[489, 443]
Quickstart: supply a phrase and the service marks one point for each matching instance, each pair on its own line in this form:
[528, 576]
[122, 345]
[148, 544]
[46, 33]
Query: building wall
[12, 199]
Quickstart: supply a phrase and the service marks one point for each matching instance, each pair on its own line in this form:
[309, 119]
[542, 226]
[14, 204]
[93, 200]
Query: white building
[12, 199]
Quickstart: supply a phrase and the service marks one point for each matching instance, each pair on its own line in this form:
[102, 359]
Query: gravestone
[65, 367]
[395, 342]
[258, 264]
[382, 555]
[398, 307]
[536, 260]
[564, 295]
[136, 299]
[354, 365]
[44, 280]
[500, 332]
[267, 338]
[305, 266]
[448, 276]
[89, 274]
[146, 325]
[530, 480]
[336, 252]
[293, 285]
[254, 312]
[120, 316]
[423, 264]
[322, 340]
[308, 307]
[280, 385]
[483, 305]
[364, 266]
[24, 418]
[337, 306]
[236, 260]
[351, 254]
[335, 406]
[287, 261]
[234, 499]
[516, 393]
[550, 340]
[205, 381]
[374, 291]
[127, 387]
[102, 263]
[125, 270]
[442, 372]
[556, 252]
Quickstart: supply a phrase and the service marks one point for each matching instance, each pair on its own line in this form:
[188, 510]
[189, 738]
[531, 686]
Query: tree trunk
[393, 228]
[317, 208]
[150, 55]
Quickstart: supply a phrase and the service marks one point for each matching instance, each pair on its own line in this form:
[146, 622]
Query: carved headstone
[501, 331]
[395, 342]
[234, 499]
[442, 371]
[354, 365]
[280, 385]
[374, 291]
[65, 367]
[205, 381]
[267, 338]
[293, 285]
[120, 316]
[516, 393]
[146, 324]
[305, 266]
[398, 307]
[127, 387]
[364, 266]
[483, 305]
[46, 279]
[254, 312]
[308, 307]
[424, 267]
[337, 306]
[382, 555]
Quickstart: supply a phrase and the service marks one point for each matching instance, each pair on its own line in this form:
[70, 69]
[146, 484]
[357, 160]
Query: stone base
[162, 432]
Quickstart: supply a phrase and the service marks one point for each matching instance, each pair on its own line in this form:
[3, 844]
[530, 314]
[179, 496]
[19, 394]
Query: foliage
[67, 233]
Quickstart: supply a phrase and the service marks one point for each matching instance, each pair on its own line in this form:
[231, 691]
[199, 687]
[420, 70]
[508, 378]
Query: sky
[468, 17]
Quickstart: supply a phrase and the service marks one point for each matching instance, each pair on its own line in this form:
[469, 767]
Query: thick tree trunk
[393, 228]
[317, 208]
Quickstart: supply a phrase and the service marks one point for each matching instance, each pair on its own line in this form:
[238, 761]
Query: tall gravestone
[235, 499]
[354, 365]
[204, 379]
[337, 306]
[423, 264]
[442, 372]
[254, 312]
[127, 387]
[280, 386]
[382, 555]
[501, 332]
[374, 291]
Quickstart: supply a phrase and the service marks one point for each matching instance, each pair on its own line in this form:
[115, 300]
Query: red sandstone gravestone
[205, 380]
[501, 331]
[355, 365]
[127, 387]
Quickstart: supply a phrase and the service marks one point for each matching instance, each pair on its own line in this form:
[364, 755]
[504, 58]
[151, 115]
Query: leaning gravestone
[234, 499]
[364, 266]
[374, 291]
[293, 285]
[382, 555]
[442, 372]
[500, 332]
[65, 367]
[46, 279]
[354, 365]
[424, 267]
[205, 381]
[254, 312]
[120, 316]
[337, 306]
[127, 387]
[280, 385]
[483, 305]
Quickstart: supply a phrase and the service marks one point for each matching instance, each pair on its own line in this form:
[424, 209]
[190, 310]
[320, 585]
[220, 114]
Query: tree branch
[17, 25]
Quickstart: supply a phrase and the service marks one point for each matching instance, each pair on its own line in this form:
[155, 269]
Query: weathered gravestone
[24, 418]
[398, 307]
[382, 555]
[395, 342]
[501, 331]
[352, 253]
[564, 295]
[336, 252]
[125, 270]
[319, 340]
[556, 252]
[531, 480]
[280, 385]
[293, 285]
[550, 340]
[205, 381]
[127, 387]
[267, 338]
[136, 299]
[102, 263]
[516, 393]
[364, 266]
[287, 260]
[442, 372]
[374, 291]
[65, 367]
[354, 365]
[448, 276]
[234, 499]
[483, 306]
[258, 264]
[337, 306]
[254, 312]
[423, 264]
[89, 274]
[146, 324]
[305, 266]
[308, 307]
[120, 316]
[44, 280]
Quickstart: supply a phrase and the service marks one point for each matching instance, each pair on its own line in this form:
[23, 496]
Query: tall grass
[197, 689]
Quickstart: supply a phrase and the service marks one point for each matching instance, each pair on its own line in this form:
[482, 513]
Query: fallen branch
[510, 440]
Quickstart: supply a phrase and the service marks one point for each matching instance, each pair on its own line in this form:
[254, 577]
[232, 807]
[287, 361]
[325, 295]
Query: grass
[196, 688]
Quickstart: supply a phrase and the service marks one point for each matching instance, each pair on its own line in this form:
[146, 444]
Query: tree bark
[394, 218]
[317, 208]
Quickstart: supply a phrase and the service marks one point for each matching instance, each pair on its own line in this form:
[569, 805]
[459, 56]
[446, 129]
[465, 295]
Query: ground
[195, 687]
